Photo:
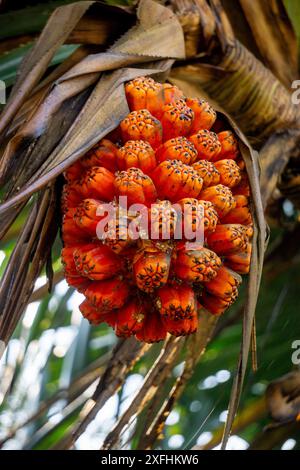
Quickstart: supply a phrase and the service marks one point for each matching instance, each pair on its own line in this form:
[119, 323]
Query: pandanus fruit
[163, 179]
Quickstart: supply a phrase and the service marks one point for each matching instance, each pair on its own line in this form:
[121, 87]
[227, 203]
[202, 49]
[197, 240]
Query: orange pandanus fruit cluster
[166, 162]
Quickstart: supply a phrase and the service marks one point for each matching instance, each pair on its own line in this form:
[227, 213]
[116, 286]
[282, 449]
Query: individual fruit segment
[108, 295]
[181, 327]
[98, 183]
[71, 233]
[240, 261]
[221, 197]
[243, 188]
[80, 283]
[97, 262]
[207, 144]
[163, 221]
[138, 154]
[130, 319]
[204, 114]
[197, 264]
[241, 213]
[198, 218]
[71, 197]
[74, 172]
[103, 154]
[137, 187]
[177, 302]
[174, 180]
[208, 172]
[178, 148]
[151, 268]
[228, 239]
[215, 305]
[153, 328]
[224, 285]
[229, 145]
[88, 214]
[141, 125]
[95, 317]
[230, 174]
[145, 93]
[176, 119]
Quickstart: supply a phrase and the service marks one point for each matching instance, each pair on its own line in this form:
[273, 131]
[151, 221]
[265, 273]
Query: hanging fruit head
[156, 217]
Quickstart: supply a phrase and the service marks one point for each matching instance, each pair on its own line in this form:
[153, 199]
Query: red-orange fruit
[71, 197]
[197, 215]
[143, 269]
[151, 269]
[85, 215]
[176, 119]
[95, 317]
[243, 187]
[177, 302]
[178, 148]
[141, 125]
[174, 180]
[103, 154]
[136, 186]
[215, 305]
[145, 93]
[108, 295]
[230, 174]
[80, 283]
[74, 172]
[239, 262]
[225, 284]
[162, 220]
[221, 197]
[204, 114]
[229, 145]
[241, 214]
[197, 264]
[71, 233]
[138, 154]
[181, 327]
[153, 329]
[97, 262]
[228, 239]
[207, 144]
[68, 261]
[117, 235]
[208, 172]
[98, 183]
[130, 319]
